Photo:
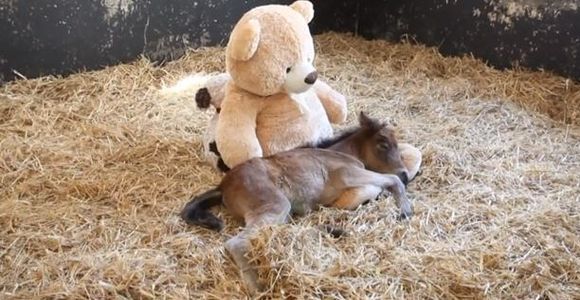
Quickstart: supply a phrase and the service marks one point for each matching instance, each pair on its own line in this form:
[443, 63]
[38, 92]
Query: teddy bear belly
[285, 127]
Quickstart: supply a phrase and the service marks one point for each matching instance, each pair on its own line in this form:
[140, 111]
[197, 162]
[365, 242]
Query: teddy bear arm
[236, 135]
[334, 102]
[213, 92]
[411, 159]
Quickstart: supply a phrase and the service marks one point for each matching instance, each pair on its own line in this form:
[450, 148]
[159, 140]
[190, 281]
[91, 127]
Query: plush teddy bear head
[270, 50]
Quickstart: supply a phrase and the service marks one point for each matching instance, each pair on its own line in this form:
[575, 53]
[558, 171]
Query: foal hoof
[404, 178]
[333, 231]
[405, 214]
[256, 288]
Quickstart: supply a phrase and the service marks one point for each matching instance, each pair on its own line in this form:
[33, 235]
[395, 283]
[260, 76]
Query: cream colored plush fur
[270, 103]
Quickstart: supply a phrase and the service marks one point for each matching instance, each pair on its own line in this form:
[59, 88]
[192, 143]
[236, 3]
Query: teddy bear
[270, 99]
[287, 106]
[211, 94]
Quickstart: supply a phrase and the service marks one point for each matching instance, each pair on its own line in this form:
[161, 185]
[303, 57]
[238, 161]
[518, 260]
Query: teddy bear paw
[203, 98]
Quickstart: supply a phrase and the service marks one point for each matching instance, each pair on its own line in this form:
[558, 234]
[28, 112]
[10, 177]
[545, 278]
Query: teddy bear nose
[311, 78]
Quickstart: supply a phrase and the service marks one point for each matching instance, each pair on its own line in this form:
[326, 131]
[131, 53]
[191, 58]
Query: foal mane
[367, 126]
[327, 142]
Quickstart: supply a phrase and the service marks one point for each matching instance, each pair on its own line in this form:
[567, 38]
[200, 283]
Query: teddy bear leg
[411, 159]
[208, 138]
[211, 153]
[213, 92]
[334, 102]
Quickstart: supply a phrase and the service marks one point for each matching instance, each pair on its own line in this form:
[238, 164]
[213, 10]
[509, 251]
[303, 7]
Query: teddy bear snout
[300, 77]
[311, 78]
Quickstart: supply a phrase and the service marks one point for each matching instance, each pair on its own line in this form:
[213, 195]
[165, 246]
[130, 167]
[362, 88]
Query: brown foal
[343, 173]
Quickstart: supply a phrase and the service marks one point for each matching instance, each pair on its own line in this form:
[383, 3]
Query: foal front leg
[352, 198]
[358, 183]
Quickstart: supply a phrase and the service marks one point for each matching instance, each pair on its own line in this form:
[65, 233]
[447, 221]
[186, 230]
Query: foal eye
[288, 70]
[383, 147]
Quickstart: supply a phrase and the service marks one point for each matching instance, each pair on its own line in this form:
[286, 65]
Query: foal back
[298, 177]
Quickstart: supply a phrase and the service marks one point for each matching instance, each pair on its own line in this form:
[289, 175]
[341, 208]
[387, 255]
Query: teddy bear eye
[288, 70]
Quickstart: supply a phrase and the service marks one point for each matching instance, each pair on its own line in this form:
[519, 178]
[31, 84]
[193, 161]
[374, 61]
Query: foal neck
[349, 144]
[328, 143]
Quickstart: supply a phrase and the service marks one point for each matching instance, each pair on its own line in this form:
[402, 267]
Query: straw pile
[95, 167]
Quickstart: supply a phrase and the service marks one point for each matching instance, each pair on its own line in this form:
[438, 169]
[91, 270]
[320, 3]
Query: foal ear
[367, 122]
[364, 120]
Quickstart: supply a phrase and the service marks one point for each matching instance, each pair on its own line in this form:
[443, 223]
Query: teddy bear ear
[244, 40]
[305, 8]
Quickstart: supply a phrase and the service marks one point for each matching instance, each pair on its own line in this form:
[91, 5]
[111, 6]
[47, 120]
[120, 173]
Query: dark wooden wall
[40, 37]
[539, 34]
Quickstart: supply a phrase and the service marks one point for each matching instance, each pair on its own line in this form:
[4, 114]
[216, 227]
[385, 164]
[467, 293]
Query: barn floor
[96, 166]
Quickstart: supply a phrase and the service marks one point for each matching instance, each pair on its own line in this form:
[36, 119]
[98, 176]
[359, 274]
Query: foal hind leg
[349, 177]
[239, 245]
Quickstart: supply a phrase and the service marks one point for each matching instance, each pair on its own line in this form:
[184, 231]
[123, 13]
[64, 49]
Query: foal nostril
[404, 178]
[311, 78]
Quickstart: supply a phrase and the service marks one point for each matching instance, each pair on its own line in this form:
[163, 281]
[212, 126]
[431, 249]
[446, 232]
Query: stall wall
[537, 34]
[41, 37]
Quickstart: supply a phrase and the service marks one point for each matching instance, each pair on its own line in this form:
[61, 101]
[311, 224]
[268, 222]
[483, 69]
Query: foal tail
[196, 211]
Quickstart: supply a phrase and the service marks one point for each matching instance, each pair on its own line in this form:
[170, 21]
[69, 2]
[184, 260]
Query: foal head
[378, 148]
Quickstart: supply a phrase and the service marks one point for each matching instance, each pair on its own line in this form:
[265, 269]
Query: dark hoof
[203, 98]
[419, 173]
[333, 231]
[404, 216]
[404, 178]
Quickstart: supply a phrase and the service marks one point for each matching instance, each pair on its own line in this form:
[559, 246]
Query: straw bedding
[95, 167]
